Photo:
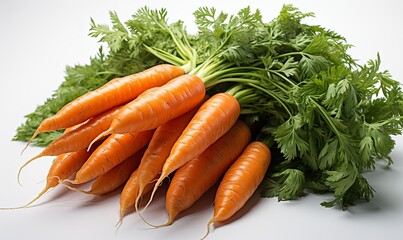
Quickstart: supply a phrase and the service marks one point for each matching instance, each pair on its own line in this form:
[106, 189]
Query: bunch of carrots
[138, 130]
[194, 116]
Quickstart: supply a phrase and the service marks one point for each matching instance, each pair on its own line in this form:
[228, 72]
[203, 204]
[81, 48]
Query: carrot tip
[37, 131]
[208, 229]
[119, 223]
[26, 146]
[164, 224]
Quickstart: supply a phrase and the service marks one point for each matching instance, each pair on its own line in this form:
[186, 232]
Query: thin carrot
[115, 177]
[158, 105]
[159, 148]
[114, 93]
[213, 119]
[114, 150]
[63, 167]
[240, 181]
[66, 131]
[131, 193]
[78, 138]
[193, 179]
[151, 164]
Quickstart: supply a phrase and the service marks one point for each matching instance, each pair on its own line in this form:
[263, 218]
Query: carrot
[63, 167]
[67, 130]
[213, 119]
[151, 164]
[115, 177]
[116, 92]
[80, 137]
[114, 150]
[159, 148]
[158, 105]
[193, 179]
[240, 181]
[131, 193]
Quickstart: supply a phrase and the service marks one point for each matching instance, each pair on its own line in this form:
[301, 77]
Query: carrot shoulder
[193, 179]
[114, 93]
[241, 181]
[159, 105]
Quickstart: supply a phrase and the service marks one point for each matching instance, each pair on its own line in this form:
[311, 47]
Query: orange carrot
[213, 119]
[193, 179]
[80, 137]
[114, 150]
[114, 93]
[63, 167]
[158, 105]
[159, 148]
[115, 177]
[240, 181]
[131, 193]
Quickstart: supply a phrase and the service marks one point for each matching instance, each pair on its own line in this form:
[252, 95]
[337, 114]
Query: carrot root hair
[30, 202]
[100, 136]
[44, 190]
[208, 228]
[24, 165]
[64, 184]
[138, 199]
[145, 220]
[157, 184]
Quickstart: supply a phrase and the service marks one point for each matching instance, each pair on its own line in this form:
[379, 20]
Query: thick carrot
[158, 105]
[114, 93]
[63, 167]
[80, 137]
[115, 177]
[240, 181]
[213, 119]
[114, 150]
[159, 148]
[193, 179]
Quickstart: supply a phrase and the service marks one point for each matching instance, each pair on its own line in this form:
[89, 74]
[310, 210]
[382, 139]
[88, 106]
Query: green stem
[327, 118]
[165, 56]
[273, 96]
[288, 54]
[235, 80]
[283, 77]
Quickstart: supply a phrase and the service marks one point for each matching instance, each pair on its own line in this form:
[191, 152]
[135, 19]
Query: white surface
[39, 38]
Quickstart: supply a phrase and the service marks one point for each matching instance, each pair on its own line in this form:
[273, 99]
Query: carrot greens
[326, 118]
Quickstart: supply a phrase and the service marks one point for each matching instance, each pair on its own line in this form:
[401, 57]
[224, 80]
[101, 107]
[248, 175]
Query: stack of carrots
[194, 115]
[137, 130]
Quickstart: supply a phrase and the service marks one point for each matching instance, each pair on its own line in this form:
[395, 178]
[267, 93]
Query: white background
[39, 38]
